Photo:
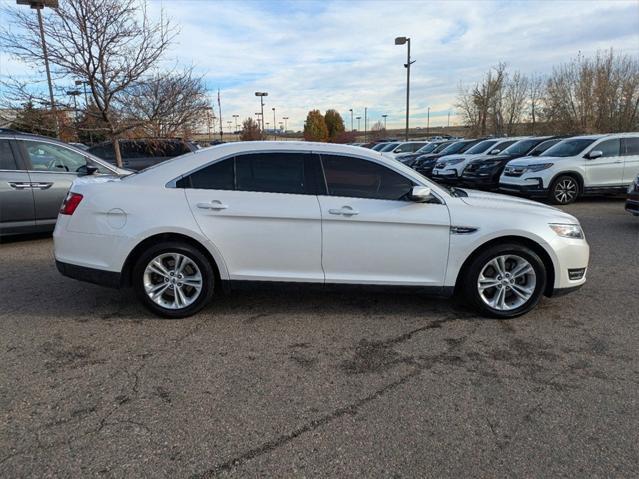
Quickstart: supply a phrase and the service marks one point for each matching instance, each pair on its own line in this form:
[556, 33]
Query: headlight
[568, 230]
[539, 167]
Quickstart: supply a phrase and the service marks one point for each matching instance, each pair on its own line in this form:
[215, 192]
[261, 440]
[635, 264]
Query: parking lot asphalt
[321, 384]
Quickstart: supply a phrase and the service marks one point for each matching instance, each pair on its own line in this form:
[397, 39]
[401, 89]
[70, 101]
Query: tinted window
[631, 146]
[408, 147]
[428, 148]
[103, 151]
[356, 178]
[7, 161]
[218, 176]
[271, 172]
[519, 148]
[608, 148]
[481, 147]
[568, 147]
[502, 146]
[441, 147]
[457, 147]
[389, 147]
[379, 146]
[539, 149]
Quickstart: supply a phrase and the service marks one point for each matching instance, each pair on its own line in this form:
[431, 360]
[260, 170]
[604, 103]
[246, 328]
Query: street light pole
[448, 124]
[236, 117]
[262, 94]
[401, 41]
[274, 123]
[351, 110]
[285, 118]
[358, 118]
[38, 5]
[365, 121]
[428, 122]
[384, 117]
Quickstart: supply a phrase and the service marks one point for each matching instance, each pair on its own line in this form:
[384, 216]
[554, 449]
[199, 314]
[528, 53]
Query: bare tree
[110, 44]
[514, 101]
[167, 105]
[378, 131]
[536, 91]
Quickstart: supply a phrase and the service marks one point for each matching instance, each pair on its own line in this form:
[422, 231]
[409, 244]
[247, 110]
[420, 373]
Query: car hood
[498, 201]
[530, 160]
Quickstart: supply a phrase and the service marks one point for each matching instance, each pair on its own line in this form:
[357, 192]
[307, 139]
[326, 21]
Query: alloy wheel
[566, 191]
[507, 282]
[172, 280]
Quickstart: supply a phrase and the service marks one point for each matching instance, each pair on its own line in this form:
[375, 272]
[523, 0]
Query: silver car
[35, 175]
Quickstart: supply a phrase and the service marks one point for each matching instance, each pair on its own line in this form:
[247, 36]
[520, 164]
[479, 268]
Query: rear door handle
[213, 205]
[344, 211]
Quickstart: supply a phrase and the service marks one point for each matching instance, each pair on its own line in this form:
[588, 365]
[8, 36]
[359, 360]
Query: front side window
[389, 147]
[357, 178]
[51, 157]
[608, 148]
[539, 149]
[519, 148]
[7, 160]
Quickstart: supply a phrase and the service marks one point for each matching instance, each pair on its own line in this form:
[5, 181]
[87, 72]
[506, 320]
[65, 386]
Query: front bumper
[445, 176]
[632, 205]
[476, 181]
[533, 187]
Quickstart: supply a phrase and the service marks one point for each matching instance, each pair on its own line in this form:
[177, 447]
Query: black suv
[140, 154]
[424, 164]
[485, 171]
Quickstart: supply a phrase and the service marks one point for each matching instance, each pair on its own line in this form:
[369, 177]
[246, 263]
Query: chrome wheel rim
[172, 281]
[566, 191]
[507, 282]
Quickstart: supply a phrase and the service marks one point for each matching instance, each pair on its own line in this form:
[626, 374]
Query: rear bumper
[111, 279]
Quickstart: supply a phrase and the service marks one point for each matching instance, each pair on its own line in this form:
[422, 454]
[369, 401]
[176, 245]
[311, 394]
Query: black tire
[564, 190]
[470, 280]
[192, 253]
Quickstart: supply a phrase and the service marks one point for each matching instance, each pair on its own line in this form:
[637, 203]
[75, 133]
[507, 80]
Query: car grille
[514, 171]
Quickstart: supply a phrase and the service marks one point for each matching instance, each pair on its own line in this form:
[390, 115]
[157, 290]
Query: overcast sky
[341, 54]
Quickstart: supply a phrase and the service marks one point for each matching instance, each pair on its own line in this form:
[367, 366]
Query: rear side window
[630, 146]
[259, 172]
[357, 178]
[270, 172]
[608, 148]
[7, 161]
[218, 176]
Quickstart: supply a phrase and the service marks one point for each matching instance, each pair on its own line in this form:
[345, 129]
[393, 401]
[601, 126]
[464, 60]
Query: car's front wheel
[173, 279]
[564, 190]
[505, 281]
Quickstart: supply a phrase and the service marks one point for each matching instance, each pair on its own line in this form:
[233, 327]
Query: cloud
[339, 54]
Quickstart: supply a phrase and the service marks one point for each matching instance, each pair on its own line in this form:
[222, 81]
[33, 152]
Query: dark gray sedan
[35, 175]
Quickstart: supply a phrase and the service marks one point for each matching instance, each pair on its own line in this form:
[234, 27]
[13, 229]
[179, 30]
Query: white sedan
[271, 213]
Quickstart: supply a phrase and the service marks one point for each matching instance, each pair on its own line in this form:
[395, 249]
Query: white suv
[576, 166]
[448, 169]
[297, 212]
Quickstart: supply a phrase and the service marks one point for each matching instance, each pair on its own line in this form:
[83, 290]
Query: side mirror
[86, 170]
[595, 154]
[495, 151]
[421, 194]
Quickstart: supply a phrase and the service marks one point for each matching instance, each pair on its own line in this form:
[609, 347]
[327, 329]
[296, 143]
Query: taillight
[70, 203]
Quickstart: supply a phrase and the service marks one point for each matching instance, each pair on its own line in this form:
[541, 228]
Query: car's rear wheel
[505, 281]
[173, 279]
[564, 190]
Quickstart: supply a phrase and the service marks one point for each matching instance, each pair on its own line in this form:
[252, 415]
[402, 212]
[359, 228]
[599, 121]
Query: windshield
[442, 146]
[455, 147]
[389, 147]
[539, 149]
[521, 147]
[568, 147]
[379, 146]
[481, 147]
[428, 148]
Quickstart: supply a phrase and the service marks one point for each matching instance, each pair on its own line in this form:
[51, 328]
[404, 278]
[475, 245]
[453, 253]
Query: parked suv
[35, 174]
[632, 202]
[403, 147]
[140, 154]
[424, 164]
[449, 169]
[409, 158]
[577, 166]
[485, 171]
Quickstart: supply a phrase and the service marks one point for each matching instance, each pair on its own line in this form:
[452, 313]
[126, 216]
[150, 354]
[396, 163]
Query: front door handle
[42, 186]
[20, 185]
[344, 211]
[213, 205]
